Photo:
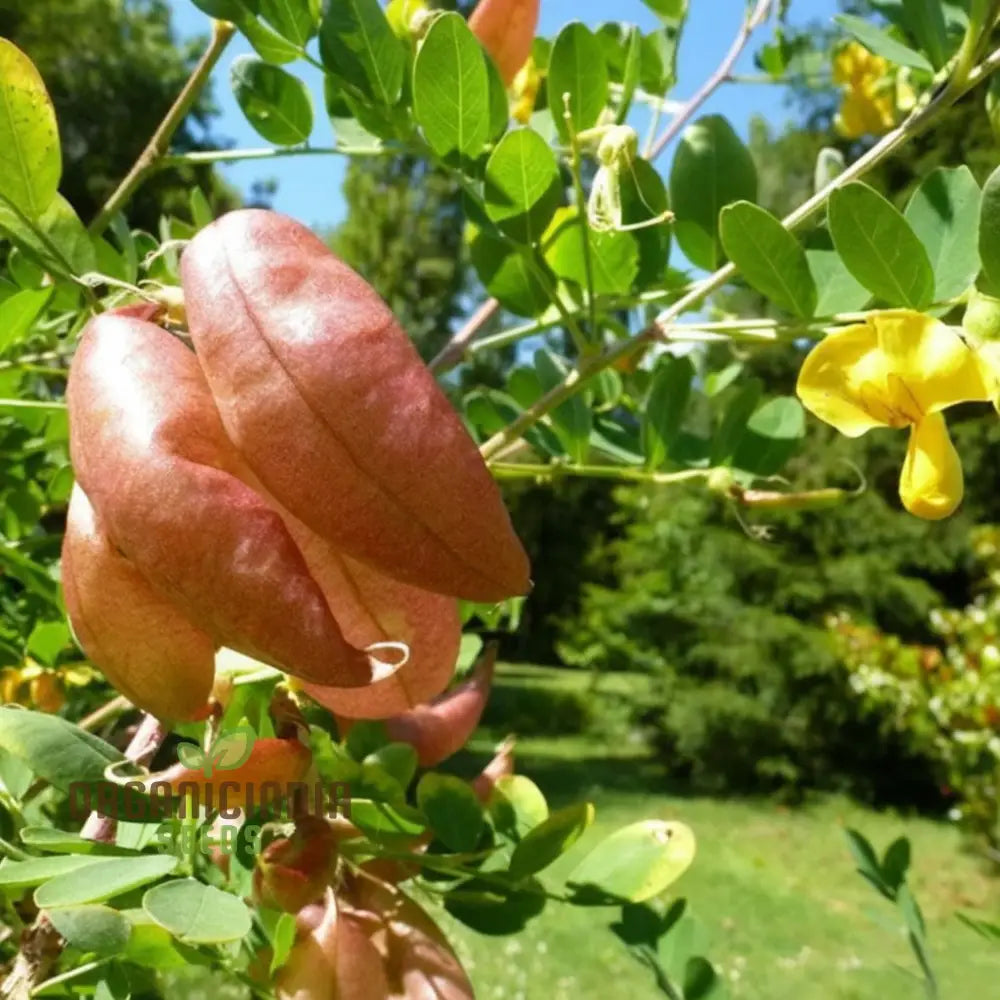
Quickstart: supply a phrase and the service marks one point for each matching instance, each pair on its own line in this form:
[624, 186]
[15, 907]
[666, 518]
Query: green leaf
[925, 19]
[18, 314]
[517, 805]
[292, 19]
[267, 43]
[550, 839]
[57, 750]
[451, 91]
[912, 915]
[711, 169]
[630, 73]
[577, 68]
[700, 979]
[57, 240]
[275, 103]
[398, 760]
[644, 197]
[666, 404]
[97, 929]
[867, 861]
[769, 257]
[507, 276]
[491, 908]
[573, 419]
[103, 879]
[385, 823]
[839, 290]
[150, 945]
[30, 159]
[882, 43]
[734, 422]
[196, 913]
[53, 841]
[452, 810]
[491, 410]
[17, 875]
[896, 862]
[614, 257]
[282, 940]
[879, 248]
[522, 186]
[638, 861]
[989, 228]
[772, 435]
[365, 737]
[944, 213]
[358, 46]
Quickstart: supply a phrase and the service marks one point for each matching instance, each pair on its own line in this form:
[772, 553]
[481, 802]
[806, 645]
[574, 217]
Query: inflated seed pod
[442, 728]
[146, 647]
[506, 29]
[372, 608]
[332, 959]
[330, 405]
[150, 452]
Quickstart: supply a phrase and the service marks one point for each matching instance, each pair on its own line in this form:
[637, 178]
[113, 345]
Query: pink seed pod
[506, 29]
[329, 404]
[151, 454]
[442, 728]
[501, 766]
[146, 647]
[331, 960]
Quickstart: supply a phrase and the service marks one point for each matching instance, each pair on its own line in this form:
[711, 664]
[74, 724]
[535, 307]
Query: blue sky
[309, 188]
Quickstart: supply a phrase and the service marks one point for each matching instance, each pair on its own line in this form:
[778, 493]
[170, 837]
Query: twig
[721, 74]
[916, 122]
[453, 352]
[107, 711]
[557, 470]
[222, 32]
[205, 156]
[143, 745]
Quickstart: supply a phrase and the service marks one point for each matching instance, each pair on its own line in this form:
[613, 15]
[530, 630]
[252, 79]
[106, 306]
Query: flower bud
[292, 872]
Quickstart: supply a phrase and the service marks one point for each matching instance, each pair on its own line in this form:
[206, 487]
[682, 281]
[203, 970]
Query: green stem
[14, 852]
[556, 470]
[222, 32]
[581, 208]
[919, 119]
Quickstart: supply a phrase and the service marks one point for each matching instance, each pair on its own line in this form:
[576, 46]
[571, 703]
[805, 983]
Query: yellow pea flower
[869, 105]
[524, 91]
[900, 369]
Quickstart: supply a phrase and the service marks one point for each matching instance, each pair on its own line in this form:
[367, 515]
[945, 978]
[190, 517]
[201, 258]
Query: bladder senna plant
[900, 369]
[870, 93]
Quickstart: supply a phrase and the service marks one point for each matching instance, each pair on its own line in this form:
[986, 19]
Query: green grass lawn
[782, 912]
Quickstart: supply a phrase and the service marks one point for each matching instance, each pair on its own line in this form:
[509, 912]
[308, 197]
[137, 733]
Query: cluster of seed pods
[296, 488]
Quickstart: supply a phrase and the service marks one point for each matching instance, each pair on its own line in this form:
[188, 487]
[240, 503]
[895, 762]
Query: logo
[229, 751]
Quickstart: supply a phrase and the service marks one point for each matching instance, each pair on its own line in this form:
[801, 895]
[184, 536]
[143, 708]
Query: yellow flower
[900, 369]
[869, 105]
[524, 91]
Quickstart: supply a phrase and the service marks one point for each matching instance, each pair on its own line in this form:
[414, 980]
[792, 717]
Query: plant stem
[109, 710]
[750, 23]
[556, 470]
[222, 32]
[452, 352]
[201, 157]
[918, 120]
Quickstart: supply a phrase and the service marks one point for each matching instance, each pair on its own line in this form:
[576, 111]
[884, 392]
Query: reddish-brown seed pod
[442, 728]
[292, 872]
[419, 962]
[275, 762]
[152, 456]
[372, 608]
[331, 407]
[146, 647]
[331, 960]
[506, 29]
[501, 766]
